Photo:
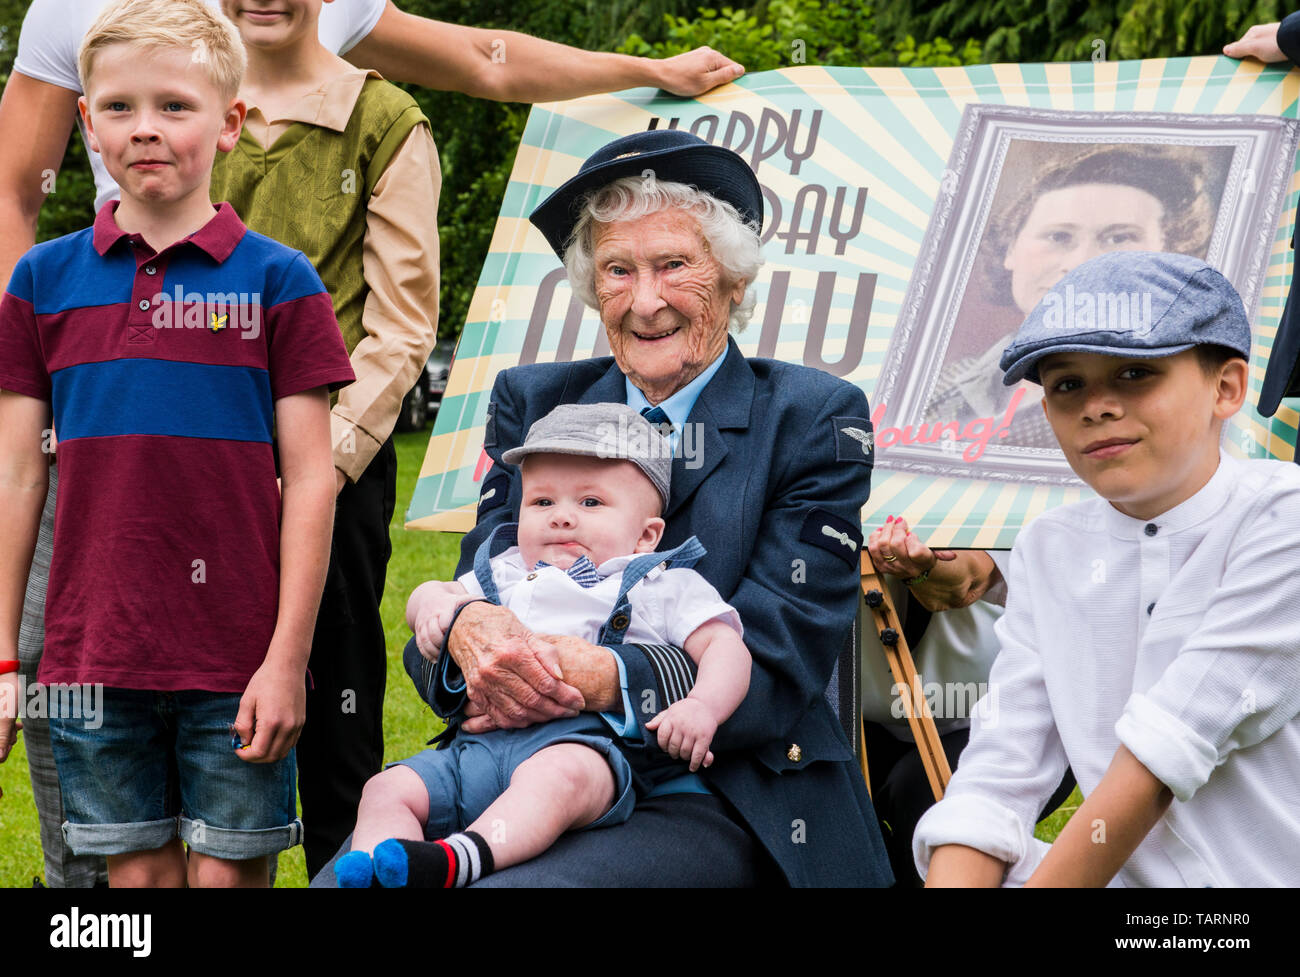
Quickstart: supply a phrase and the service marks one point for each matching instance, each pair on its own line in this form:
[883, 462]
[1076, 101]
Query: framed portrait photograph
[1028, 194]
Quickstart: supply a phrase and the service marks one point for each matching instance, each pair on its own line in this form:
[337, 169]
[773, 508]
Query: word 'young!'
[979, 431]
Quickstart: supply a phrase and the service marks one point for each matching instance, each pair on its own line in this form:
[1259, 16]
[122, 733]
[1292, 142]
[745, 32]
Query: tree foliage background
[477, 139]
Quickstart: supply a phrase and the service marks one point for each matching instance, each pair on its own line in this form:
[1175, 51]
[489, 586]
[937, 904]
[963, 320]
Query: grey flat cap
[601, 431]
[1130, 303]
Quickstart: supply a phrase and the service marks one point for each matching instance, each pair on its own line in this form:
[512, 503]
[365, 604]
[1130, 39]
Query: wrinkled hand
[476, 720]
[512, 676]
[698, 71]
[686, 729]
[1259, 42]
[911, 557]
[9, 724]
[271, 713]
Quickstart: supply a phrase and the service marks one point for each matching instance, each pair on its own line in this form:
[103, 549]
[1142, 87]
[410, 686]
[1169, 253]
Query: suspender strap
[502, 538]
[616, 625]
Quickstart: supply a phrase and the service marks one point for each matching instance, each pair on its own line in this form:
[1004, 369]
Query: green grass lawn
[408, 724]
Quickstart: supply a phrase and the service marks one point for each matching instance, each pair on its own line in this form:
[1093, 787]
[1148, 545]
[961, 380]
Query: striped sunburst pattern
[822, 139]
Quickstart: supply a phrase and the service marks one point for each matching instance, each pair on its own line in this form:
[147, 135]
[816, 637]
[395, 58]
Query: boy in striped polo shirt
[164, 344]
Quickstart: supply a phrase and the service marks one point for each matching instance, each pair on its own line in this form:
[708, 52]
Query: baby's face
[576, 506]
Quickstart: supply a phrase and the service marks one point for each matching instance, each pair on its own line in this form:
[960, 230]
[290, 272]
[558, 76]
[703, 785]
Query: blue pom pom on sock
[354, 870]
[390, 864]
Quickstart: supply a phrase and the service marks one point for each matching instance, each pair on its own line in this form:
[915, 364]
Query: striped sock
[452, 863]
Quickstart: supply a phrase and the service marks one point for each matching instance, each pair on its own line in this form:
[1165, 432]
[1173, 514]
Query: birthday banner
[912, 219]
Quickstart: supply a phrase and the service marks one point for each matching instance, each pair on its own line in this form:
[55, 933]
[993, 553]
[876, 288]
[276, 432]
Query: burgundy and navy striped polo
[162, 370]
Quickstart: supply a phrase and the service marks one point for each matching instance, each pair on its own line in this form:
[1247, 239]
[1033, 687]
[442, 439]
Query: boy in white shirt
[595, 481]
[1150, 638]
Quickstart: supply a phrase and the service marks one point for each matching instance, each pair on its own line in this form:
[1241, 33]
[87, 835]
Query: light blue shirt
[678, 408]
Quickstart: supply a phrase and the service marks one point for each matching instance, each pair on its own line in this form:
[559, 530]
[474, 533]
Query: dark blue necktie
[659, 418]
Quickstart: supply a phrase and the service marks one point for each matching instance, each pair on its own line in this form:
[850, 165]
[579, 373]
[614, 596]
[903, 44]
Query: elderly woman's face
[663, 299]
[1066, 227]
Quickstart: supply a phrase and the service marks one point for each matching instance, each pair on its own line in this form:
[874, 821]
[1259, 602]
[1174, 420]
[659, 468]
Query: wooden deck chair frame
[915, 707]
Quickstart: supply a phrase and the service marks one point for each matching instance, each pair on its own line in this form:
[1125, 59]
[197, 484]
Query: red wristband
[12, 665]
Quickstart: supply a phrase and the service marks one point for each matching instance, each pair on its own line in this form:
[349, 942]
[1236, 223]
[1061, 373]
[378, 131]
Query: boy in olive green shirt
[341, 165]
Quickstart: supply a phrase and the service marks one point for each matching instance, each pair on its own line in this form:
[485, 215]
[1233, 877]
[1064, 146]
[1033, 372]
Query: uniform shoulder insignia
[854, 440]
[823, 529]
[495, 492]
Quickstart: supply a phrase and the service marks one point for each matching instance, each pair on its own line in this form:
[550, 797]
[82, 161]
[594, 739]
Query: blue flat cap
[1130, 303]
[675, 156]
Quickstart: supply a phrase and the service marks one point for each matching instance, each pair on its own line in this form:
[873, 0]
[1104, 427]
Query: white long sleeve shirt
[1178, 637]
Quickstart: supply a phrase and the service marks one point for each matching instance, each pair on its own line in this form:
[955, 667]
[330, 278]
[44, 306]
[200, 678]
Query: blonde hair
[186, 24]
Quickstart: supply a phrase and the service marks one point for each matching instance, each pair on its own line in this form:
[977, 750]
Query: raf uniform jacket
[782, 466]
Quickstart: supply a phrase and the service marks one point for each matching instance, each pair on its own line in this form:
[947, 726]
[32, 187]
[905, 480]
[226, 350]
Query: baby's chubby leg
[394, 804]
[558, 789]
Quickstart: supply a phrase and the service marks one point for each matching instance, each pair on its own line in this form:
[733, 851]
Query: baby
[595, 480]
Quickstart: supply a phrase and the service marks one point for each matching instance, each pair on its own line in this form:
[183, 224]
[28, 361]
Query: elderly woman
[659, 232]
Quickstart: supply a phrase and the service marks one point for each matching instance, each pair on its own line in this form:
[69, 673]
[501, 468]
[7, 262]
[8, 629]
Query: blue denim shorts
[163, 765]
[465, 777]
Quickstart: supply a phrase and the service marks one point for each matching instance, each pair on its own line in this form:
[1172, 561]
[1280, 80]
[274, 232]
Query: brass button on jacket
[794, 754]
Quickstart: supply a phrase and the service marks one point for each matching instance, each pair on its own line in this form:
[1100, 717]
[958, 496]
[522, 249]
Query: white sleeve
[51, 37]
[470, 583]
[507, 570]
[1236, 679]
[688, 600]
[344, 23]
[1014, 759]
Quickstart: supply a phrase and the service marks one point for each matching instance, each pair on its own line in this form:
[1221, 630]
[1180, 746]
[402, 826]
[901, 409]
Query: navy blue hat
[674, 156]
[1130, 303]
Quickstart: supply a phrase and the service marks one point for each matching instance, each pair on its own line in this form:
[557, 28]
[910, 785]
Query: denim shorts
[471, 772]
[163, 765]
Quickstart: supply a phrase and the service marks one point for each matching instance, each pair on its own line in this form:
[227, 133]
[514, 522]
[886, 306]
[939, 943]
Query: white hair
[732, 240]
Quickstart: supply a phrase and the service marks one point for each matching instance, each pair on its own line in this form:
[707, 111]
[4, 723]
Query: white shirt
[54, 29]
[667, 605]
[1178, 637]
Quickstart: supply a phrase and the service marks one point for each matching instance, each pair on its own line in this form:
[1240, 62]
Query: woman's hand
[957, 578]
[896, 551]
[512, 675]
